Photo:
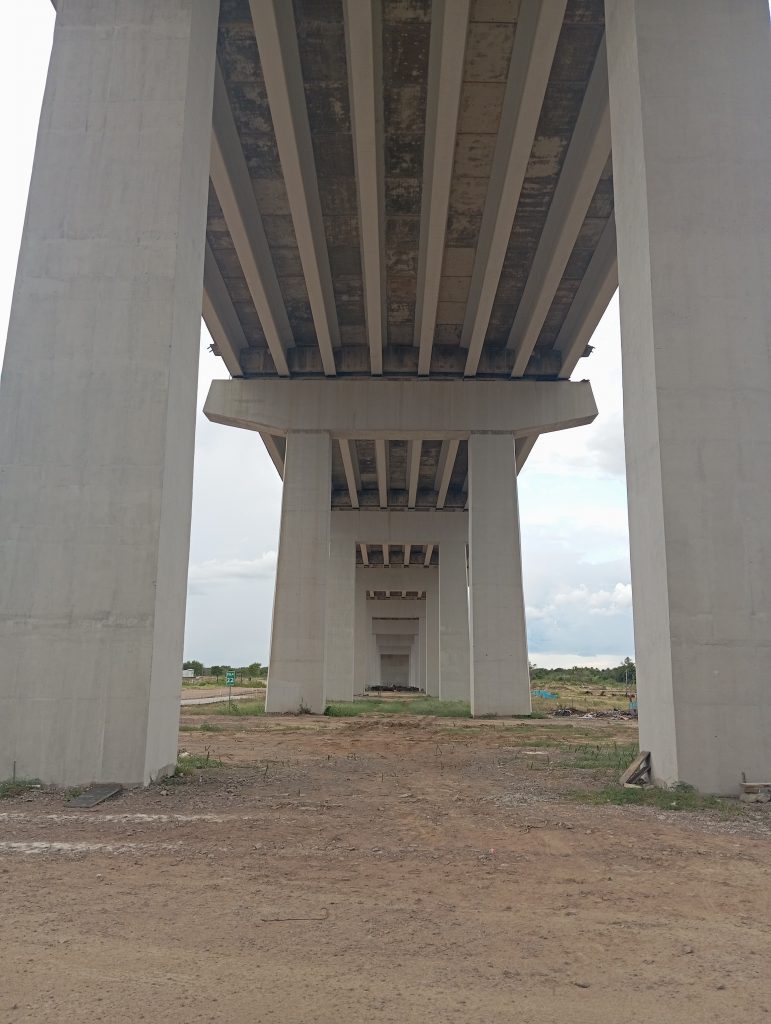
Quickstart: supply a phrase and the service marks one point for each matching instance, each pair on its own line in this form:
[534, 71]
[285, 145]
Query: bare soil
[369, 870]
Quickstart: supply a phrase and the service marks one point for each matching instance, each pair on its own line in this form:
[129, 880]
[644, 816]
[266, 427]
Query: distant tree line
[253, 671]
[624, 674]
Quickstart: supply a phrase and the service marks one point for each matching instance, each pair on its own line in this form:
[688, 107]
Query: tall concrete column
[341, 619]
[98, 396]
[361, 643]
[298, 638]
[500, 677]
[432, 636]
[454, 664]
[375, 665]
[690, 92]
[422, 652]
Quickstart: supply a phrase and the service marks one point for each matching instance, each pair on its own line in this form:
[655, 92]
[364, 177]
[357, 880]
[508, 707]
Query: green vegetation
[15, 787]
[415, 706]
[622, 675]
[245, 675]
[188, 764]
[604, 757]
[679, 798]
[200, 682]
[236, 707]
[203, 727]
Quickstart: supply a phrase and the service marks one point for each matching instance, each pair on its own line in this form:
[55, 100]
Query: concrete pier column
[361, 642]
[298, 638]
[375, 665]
[421, 683]
[454, 663]
[432, 635]
[98, 396]
[341, 619]
[690, 92]
[500, 677]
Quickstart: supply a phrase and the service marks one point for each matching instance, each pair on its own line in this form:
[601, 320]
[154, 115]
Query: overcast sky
[572, 490]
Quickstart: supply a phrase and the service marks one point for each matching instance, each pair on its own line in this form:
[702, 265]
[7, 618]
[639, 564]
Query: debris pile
[638, 774]
[754, 792]
[570, 712]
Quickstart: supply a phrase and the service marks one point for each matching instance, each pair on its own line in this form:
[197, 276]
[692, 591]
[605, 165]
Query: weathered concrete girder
[401, 409]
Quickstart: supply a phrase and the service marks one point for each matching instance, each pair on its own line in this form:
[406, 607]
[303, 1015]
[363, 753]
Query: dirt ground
[367, 870]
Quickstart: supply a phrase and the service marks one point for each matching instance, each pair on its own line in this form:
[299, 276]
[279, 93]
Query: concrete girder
[363, 47]
[220, 316]
[227, 334]
[230, 179]
[401, 409]
[449, 24]
[444, 470]
[535, 42]
[585, 160]
[381, 464]
[597, 288]
[350, 467]
[276, 35]
[413, 470]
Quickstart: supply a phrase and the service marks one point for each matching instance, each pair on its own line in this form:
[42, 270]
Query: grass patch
[236, 707]
[679, 798]
[603, 757]
[203, 727]
[188, 765]
[418, 706]
[15, 787]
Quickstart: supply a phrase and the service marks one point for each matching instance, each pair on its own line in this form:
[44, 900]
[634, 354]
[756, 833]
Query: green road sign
[230, 679]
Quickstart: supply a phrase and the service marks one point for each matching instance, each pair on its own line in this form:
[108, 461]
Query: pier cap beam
[363, 408]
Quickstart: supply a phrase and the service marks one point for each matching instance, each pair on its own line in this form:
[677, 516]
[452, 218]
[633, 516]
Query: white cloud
[597, 602]
[213, 571]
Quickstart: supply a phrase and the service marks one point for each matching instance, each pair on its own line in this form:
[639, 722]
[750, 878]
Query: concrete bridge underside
[402, 220]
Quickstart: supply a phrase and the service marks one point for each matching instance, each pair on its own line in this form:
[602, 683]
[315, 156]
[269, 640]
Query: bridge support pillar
[454, 665]
[298, 635]
[98, 396]
[339, 654]
[691, 152]
[500, 677]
